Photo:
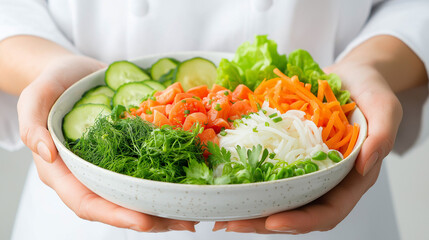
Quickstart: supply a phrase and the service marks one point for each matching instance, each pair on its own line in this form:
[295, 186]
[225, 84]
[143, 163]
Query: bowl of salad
[209, 136]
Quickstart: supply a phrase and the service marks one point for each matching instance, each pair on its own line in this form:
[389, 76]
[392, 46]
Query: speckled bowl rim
[363, 129]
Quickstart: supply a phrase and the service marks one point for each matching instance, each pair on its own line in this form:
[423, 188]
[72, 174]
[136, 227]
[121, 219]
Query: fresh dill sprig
[137, 148]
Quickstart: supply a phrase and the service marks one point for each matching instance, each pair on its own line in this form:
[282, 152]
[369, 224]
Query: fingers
[37, 99]
[87, 205]
[325, 213]
[33, 110]
[384, 114]
[321, 215]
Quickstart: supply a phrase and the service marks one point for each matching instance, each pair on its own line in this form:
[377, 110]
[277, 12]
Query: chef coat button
[139, 8]
[262, 5]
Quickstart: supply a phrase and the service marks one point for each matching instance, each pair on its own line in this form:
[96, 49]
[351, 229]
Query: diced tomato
[216, 88]
[208, 135]
[167, 96]
[177, 86]
[147, 117]
[222, 106]
[157, 93]
[241, 92]
[199, 91]
[159, 108]
[193, 118]
[181, 96]
[218, 124]
[240, 108]
[185, 107]
[160, 119]
[148, 103]
[168, 108]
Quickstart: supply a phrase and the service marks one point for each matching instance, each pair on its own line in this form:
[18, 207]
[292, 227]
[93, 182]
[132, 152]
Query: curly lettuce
[301, 63]
[252, 63]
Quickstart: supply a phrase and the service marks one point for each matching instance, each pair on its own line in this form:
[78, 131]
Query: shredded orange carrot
[345, 140]
[297, 105]
[304, 107]
[321, 91]
[327, 130]
[284, 93]
[353, 140]
[348, 107]
[253, 102]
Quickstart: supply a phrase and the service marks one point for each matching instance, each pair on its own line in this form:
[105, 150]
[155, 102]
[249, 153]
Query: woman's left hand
[383, 112]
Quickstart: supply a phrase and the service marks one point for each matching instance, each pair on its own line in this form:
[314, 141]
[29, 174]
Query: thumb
[37, 99]
[33, 108]
[384, 114]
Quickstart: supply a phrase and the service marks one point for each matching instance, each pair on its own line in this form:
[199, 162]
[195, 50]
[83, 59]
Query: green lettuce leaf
[301, 64]
[252, 63]
[228, 74]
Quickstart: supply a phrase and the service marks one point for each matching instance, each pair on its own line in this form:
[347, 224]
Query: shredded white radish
[292, 138]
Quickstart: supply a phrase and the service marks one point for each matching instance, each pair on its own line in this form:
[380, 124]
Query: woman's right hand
[34, 105]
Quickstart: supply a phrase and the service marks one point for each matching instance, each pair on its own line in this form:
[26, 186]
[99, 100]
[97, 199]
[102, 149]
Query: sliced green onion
[272, 155]
[223, 133]
[273, 115]
[277, 119]
[255, 129]
[183, 101]
[299, 171]
[272, 177]
[319, 155]
[335, 156]
[267, 124]
[264, 111]
[309, 168]
[226, 93]
[148, 111]
[187, 111]
[217, 107]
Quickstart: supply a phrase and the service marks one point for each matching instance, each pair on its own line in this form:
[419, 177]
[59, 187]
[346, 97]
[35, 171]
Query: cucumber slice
[162, 66]
[123, 72]
[94, 99]
[131, 94]
[100, 90]
[154, 84]
[195, 72]
[81, 118]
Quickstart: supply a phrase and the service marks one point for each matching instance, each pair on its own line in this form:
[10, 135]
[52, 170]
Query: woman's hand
[383, 112]
[34, 105]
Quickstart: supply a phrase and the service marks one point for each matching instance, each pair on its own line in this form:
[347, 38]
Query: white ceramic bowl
[194, 202]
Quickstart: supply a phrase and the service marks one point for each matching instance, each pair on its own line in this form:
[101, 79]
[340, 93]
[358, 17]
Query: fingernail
[370, 163]
[44, 152]
[242, 229]
[285, 231]
[220, 226]
[179, 227]
[136, 228]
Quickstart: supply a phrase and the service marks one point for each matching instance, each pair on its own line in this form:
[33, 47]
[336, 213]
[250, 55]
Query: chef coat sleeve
[23, 17]
[30, 17]
[407, 20]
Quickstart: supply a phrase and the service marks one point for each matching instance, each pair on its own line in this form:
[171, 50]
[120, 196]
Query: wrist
[391, 58]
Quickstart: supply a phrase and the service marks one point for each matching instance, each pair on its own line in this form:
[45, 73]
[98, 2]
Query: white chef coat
[111, 30]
